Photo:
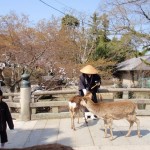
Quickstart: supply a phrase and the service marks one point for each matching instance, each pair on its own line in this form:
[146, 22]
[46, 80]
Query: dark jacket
[86, 82]
[5, 117]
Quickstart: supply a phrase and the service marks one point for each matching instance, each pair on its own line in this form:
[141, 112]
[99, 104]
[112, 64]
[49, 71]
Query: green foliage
[70, 21]
[145, 50]
[121, 49]
[101, 50]
[115, 49]
[94, 26]
[100, 30]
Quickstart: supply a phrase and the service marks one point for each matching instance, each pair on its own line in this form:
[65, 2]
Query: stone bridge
[39, 132]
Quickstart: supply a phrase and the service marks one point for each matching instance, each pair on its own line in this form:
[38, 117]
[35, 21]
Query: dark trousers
[3, 136]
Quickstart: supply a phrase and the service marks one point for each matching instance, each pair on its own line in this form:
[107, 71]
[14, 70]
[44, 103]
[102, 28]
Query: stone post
[125, 95]
[25, 98]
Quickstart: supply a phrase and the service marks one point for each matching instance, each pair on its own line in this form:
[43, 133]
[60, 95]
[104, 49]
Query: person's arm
[96, 83]
[82, 85]
[99, 81]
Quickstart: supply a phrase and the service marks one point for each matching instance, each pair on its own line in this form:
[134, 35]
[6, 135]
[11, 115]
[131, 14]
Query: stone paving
[37, 132]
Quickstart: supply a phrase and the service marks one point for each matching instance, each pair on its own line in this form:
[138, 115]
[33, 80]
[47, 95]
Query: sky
[37, 10]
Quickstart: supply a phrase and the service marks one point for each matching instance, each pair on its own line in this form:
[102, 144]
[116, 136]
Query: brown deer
[75, 108]
[110, 111]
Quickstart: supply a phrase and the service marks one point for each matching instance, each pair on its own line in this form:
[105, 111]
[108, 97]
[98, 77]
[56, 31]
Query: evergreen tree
[70, 21]
[102, 40]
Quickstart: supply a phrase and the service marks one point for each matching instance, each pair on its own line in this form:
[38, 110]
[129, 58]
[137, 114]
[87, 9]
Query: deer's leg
[72, 116]
[78, 115]
[137, 121]
[131, 120]
[109, 122]
[105, 130]
[82, 110]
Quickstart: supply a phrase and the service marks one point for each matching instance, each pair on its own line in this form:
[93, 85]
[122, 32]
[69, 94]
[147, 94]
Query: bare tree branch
[144, 13]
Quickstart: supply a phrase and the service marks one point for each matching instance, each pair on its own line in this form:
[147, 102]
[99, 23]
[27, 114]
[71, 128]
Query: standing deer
[110, 111]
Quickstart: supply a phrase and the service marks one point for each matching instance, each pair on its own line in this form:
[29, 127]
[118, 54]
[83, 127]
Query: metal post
[25, 98]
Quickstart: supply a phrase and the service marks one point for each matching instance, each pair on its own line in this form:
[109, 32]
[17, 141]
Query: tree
[102, 39]
[130, 16]
[70, 21]
[88, 38]
[27, 46]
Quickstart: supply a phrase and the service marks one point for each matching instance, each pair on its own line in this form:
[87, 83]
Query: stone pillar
[25, 98]
[125, 95]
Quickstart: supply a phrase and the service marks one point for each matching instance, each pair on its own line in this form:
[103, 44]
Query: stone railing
[28, 106]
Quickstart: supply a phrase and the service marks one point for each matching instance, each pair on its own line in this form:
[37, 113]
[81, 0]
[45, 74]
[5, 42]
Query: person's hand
[84, 91]
[98, 84]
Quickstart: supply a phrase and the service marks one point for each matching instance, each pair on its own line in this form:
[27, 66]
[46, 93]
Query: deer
[109, 111]
[75, 108]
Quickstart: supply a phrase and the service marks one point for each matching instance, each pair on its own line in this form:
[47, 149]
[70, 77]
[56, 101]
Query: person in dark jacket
[5, 118]
[89, 80]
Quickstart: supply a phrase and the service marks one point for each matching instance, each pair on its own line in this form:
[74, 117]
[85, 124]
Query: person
[2, 83]
[5, 118]
[89, 80]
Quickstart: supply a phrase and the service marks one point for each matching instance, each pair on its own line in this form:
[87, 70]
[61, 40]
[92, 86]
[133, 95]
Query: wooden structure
[132, 72]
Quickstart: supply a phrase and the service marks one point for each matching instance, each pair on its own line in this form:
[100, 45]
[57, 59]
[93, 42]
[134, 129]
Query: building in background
[134, 72]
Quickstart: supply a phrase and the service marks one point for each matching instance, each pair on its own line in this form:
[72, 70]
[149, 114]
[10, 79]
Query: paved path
[84, 138]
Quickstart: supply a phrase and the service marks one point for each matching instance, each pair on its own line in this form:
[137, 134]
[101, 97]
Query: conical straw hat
[89, 70]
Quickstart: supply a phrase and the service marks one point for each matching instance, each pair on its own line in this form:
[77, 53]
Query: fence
[56, 106]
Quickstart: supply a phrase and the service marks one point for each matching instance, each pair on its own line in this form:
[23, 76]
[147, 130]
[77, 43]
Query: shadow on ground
[90, 123]
[121, 133]
[43, 147]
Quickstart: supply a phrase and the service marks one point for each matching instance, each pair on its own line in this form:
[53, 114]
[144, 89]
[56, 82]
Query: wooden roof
[134, 64]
